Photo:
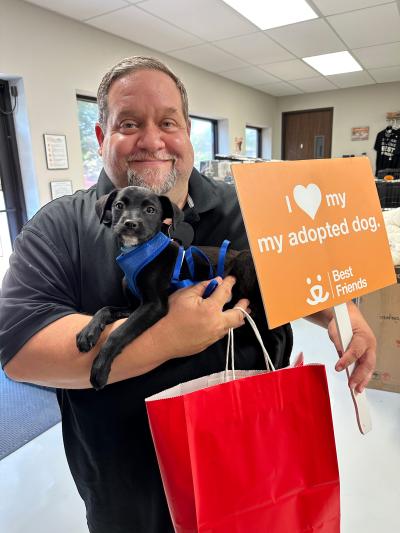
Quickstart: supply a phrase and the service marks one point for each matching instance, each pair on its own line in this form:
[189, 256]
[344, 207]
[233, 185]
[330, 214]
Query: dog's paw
[100, 372]
[87, 338]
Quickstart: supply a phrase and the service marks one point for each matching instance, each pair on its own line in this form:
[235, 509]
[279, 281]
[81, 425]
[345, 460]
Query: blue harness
[132, 261]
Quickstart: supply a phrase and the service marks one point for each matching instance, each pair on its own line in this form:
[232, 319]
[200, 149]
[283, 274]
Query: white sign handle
[360, 401]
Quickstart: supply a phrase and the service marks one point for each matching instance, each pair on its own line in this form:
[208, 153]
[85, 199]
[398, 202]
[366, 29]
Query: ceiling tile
[330, 7]
[313, 37]
[382, 75]
[279, 89]
[208, 57]
[249, 76]
[207, 19]
[141, 27]
[256, 48]
[383, 55]
[290, 70]
[80, 10]
[366, 27]
[351, 79]
[312, 85]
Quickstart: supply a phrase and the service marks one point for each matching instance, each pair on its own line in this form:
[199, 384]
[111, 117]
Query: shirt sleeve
[39, 288]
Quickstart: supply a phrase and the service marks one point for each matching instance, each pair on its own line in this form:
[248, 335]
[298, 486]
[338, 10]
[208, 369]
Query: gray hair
[124, 68]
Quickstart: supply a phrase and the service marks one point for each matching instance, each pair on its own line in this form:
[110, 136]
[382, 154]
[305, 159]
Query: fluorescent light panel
[337, 63]
[267, 14]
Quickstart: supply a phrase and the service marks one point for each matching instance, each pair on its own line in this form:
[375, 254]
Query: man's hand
[193, 323]
[361, 350]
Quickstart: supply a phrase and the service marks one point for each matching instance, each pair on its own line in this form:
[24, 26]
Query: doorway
[12, 202]
[307, 134]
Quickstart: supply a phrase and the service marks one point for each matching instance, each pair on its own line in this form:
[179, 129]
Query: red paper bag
[249, 452]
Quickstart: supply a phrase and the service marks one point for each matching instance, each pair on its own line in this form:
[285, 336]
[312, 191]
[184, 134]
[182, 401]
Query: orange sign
[316, 233]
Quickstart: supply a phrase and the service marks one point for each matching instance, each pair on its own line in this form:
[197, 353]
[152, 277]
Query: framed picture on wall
[360, 133]
[56, 151]
[60, 188]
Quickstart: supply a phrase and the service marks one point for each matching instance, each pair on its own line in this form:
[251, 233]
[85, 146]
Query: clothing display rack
[387, 145]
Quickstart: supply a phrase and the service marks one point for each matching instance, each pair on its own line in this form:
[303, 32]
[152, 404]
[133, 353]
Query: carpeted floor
[26, 411]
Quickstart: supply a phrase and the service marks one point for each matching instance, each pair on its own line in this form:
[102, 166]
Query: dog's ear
[103, 206]
[171, 210]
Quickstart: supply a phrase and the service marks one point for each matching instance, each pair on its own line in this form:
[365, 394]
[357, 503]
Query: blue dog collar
[133, 260]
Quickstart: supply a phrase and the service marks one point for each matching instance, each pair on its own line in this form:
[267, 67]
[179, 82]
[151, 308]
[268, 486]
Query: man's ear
[100, 137]
[171, 210]
[103, 206]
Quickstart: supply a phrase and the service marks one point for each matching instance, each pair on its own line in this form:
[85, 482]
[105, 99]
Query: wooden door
[307, 134]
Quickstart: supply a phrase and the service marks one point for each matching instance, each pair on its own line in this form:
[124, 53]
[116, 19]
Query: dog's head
[136, 214]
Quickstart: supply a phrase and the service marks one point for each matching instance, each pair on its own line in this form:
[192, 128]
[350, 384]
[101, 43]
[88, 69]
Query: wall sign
[56, 151]
[316, 233]
[360, 134]
[60, 188]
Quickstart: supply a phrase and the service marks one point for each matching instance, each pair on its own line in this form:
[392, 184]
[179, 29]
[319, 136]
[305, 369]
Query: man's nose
[151, 138]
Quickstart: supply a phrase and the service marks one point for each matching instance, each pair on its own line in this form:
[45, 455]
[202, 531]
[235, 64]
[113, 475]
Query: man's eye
[119, 205]
[150, 210]
[129, 125]
[168, 124]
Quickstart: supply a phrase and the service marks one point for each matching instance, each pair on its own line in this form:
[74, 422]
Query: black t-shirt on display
[387, 146]
[64, 263]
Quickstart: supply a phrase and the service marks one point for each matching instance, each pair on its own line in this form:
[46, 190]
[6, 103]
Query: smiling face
[137, 215]
[146, 141]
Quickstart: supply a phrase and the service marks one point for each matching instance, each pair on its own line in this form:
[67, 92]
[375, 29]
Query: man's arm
[361, 350]
[51, 358]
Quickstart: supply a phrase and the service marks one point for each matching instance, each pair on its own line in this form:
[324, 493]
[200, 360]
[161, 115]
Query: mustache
[147, 156]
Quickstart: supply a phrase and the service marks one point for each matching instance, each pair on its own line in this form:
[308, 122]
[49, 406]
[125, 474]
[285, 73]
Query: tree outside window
[204, 137]
[92, 162]
[253, 141]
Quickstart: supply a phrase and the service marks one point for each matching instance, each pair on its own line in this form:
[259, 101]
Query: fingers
[361, 351]
[234, 317]
[223, 293]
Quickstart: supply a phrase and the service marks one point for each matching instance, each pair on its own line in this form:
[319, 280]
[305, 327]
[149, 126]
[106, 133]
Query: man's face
[146, 141]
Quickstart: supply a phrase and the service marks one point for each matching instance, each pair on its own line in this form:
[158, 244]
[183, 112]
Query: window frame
[214, 124]
[259, 139]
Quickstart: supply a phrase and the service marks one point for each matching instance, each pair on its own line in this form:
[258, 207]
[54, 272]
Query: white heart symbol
[308, 198]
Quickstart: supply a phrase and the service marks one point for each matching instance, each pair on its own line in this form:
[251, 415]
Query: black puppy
[136, 216]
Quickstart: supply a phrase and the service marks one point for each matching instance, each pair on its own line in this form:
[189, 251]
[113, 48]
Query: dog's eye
[150, 210]
[119, 205]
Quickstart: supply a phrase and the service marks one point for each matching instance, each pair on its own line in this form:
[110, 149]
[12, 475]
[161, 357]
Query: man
[63, 268]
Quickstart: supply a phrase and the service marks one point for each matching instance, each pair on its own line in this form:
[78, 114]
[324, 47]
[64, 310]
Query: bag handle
[230, 352]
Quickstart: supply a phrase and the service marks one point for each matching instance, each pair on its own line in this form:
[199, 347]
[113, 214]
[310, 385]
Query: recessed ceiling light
[337, 63]
[267, 14]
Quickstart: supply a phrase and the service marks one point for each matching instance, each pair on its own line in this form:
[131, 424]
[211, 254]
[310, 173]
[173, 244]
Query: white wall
[356, 106]
[55, 57]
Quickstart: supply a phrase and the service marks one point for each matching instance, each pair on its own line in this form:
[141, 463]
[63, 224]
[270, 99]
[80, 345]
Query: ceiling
[211, 35]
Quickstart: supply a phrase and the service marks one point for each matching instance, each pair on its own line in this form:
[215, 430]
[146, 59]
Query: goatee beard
[152, 179]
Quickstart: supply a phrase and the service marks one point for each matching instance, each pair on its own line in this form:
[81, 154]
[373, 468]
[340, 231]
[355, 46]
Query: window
[204, 137]
[88, 115]
[253, 141]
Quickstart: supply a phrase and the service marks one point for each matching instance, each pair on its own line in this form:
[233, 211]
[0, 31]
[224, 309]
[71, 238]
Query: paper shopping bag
[248, 452]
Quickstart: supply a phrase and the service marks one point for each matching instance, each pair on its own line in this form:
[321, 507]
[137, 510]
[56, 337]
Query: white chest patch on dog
[129, 241]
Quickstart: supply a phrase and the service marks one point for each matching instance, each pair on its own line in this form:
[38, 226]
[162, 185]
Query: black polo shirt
[63, 263]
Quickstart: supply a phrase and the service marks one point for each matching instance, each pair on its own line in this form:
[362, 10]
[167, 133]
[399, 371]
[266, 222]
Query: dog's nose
[131, 224]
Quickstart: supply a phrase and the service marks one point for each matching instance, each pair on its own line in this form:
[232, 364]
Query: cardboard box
[381, 310]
